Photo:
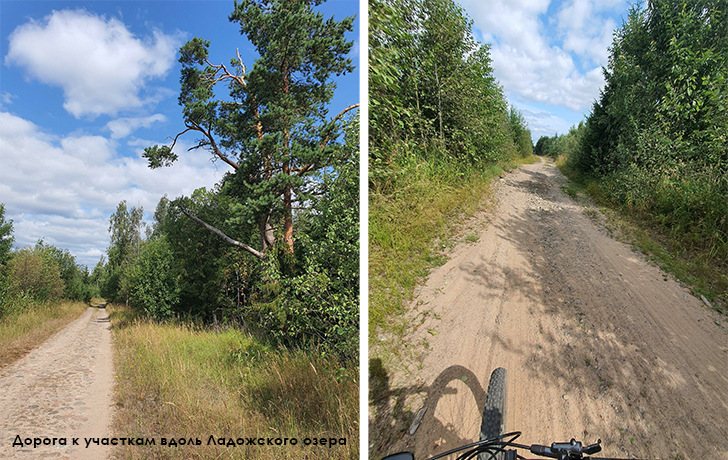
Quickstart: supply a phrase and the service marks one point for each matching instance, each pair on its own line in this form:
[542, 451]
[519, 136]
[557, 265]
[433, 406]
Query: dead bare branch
[211, 143]
[226, 238]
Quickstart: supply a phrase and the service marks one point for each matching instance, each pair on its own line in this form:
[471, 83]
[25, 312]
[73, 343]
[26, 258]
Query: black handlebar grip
[544, 451]
[594, 448]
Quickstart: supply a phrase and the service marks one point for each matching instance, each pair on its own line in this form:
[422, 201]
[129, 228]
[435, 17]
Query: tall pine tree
[273, 130]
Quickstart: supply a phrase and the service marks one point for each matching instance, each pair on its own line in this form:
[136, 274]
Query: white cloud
[122, 127]
[585, 29]
[551, 79]
[64, 189]
[101, 66]
[6, 98]
[547, 52]
[543, 123]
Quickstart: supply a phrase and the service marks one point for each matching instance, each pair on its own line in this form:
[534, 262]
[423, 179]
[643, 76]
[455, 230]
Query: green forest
[655, 145]
[440, 128]
[273, 247]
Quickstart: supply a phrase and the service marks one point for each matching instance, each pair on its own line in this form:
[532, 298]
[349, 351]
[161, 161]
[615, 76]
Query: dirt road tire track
[597, 342]
[62, 389]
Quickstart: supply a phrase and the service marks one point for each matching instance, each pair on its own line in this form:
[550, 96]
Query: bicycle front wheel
[494, 411]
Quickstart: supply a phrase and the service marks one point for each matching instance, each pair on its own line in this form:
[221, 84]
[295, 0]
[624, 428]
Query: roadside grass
[705, 272]
[185, 381]
[410, 224]
[26, 324]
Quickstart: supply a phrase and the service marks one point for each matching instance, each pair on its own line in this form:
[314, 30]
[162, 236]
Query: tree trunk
[265, 230]
[439, 103]
[288, 219]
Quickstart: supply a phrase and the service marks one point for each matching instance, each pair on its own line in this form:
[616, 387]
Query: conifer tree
[273, 130]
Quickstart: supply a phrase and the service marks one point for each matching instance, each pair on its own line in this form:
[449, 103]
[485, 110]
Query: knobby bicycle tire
[494, 410]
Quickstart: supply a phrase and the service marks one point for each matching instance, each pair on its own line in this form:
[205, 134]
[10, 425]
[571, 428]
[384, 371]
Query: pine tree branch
[225, 73]
[312, 166]
[351, 107]
[210, 143]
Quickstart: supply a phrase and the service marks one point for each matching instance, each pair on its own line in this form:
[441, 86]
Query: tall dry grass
[185, 381]
[26, 324]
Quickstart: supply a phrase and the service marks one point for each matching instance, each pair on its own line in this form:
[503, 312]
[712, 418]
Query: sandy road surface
[597, 343]
[62, 389]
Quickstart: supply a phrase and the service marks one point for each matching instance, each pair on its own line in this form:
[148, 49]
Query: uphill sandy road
[62, 389]
[597, 343]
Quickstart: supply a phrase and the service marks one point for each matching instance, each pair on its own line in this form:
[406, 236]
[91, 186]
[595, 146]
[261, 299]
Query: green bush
[13, 305]
[34, 272]
[656, 138]
[152, 283]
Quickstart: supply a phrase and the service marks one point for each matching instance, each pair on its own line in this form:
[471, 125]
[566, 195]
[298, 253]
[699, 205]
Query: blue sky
[548, 55]
[84, 87]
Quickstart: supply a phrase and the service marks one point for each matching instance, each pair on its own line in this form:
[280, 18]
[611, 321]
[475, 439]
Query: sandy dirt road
[62, 389]
[597, 342]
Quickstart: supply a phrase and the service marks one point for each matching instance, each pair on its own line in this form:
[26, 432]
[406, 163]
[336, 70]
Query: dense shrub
[6, 237]
[35, 273]
[153, 286]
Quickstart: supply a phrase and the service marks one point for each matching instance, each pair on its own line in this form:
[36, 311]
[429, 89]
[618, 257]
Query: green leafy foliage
[520, 134]
[6, 236]
[314, 301]
[439, 128]
[75, 277]
[566, 145]
[34, 272]
[126, 237]
[326, 293]
[6, 244]
[159, 156]
[655, 145]
[432, 90]
[292, 179]
[273, 129]
[154, 288]
[212, 275]
[37, 275]
[658, 134]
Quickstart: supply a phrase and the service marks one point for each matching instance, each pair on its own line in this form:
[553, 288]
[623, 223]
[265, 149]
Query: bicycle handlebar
[566, 450]
[572, 450]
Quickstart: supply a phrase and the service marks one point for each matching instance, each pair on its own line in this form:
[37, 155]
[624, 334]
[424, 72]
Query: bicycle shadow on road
[392, 424]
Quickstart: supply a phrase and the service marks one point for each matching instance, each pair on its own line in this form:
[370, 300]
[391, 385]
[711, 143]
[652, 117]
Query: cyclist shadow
[432, 434]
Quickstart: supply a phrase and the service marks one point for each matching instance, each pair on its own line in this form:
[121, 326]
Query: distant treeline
[432, 90]
[39, 274]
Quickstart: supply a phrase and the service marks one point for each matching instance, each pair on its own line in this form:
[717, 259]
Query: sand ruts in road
[597, 342]
[62, 389]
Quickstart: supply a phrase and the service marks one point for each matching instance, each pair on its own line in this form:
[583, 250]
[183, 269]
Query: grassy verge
[27, 326]
[410, 225]
[184, 381]
[704, 271]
